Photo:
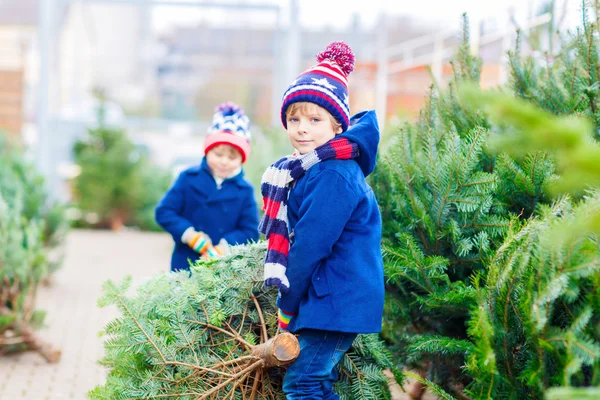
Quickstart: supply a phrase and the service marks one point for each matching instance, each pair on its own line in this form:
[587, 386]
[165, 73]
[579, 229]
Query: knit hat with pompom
[325, 84]
[229, 126]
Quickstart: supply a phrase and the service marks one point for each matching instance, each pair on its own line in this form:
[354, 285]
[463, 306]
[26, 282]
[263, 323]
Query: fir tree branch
[236, 336]
[240, 382]
[435, 389]
[264, 334]
[190, 345]
[119, 297]
[234, 377]
[239, 332]
[166, 396]
[255, 385]
[234, 361]
[203, 369]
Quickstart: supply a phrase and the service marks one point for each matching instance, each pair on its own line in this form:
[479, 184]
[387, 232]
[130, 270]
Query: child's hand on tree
[198, 241]
[284, 318]
[218, 251]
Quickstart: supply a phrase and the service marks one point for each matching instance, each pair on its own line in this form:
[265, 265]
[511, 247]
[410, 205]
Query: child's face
[309, 127]
[223, 160]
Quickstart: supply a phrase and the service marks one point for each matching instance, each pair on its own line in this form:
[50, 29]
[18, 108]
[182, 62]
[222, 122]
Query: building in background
[183, 73]
[18, 29]
[205, 65]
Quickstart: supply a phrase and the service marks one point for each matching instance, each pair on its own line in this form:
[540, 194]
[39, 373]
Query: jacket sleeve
[169, 209]
[326, 209]
[247, 224]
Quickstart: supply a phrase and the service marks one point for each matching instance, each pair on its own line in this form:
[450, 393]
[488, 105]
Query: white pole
[381, 86]
[437, 62]
[506, 44]
[475, 31]
[293, 45]
[276, 77]
[46, 38]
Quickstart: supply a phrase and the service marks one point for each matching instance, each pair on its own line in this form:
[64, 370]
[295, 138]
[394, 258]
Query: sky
[337, 14]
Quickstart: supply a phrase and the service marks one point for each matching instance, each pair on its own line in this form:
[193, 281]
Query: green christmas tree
[201, 336]
[28, 229]
[20, 176]
[568, 83]
[473, 292]
[117, 182]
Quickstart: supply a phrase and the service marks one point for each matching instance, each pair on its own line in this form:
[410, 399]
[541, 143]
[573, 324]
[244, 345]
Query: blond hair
[305, 107]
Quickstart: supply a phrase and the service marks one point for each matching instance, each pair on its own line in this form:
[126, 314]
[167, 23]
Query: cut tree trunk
[279, 351]
[117, 222]
[48, 351]
[29, 340]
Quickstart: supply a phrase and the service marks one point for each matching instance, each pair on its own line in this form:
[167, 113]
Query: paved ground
[73, 320]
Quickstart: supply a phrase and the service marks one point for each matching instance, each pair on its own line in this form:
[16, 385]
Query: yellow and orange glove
[218, 251]
[200, 243]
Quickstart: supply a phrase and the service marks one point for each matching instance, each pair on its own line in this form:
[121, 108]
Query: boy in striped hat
[323, 224]
[212, 206]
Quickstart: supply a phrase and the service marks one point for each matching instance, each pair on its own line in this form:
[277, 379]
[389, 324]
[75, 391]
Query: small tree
[117, 182]
[22, 177]
[27, 230]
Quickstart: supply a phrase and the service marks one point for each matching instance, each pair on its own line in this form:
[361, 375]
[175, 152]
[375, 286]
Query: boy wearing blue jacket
[212, 203]
[323, 225]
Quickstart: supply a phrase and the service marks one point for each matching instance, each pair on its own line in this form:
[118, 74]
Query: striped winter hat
[325, 84]
[229, 126]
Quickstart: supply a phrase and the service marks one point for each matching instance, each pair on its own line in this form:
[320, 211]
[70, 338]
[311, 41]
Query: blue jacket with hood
[335, 266]
[227, 212]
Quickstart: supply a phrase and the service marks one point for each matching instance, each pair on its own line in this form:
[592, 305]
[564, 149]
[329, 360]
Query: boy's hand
[200, 242]
[218, 251]
[284, 318]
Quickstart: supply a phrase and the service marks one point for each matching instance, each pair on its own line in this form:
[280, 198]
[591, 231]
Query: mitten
[200, 242]
[220, 250]
[284, 318]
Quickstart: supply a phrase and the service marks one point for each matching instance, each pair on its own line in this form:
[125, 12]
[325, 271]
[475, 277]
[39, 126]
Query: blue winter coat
[335, 266]
[195, 200]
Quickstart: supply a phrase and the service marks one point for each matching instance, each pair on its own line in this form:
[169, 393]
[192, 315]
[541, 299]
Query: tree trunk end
[279, 351]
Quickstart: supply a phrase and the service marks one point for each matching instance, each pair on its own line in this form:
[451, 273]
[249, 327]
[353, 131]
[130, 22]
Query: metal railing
[397, 58]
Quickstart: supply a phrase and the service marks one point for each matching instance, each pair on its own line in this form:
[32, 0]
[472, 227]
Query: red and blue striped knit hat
[325, 84]
[229, 126]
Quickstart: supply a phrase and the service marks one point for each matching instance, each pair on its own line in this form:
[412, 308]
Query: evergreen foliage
[117, 182]
[22, 183]
[189, 336]
[567, 83]
[492, 285]
[30, 227]
[22, 268]
[569, 140]
[534, 323]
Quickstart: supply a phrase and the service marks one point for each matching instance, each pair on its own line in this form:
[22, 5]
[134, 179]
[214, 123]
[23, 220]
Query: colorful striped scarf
[275, 188]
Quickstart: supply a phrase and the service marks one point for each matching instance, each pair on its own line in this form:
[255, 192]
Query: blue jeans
[312, 375]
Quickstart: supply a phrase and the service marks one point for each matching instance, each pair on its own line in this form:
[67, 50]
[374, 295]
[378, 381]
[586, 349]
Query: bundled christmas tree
[482, 298]
[213, 335]
[29, 227]
[20, 175]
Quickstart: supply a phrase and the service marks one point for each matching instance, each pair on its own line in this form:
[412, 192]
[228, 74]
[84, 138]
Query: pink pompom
[229, 108]
[341, 54]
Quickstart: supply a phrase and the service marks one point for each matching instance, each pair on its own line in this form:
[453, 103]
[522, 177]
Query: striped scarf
[275, 188]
